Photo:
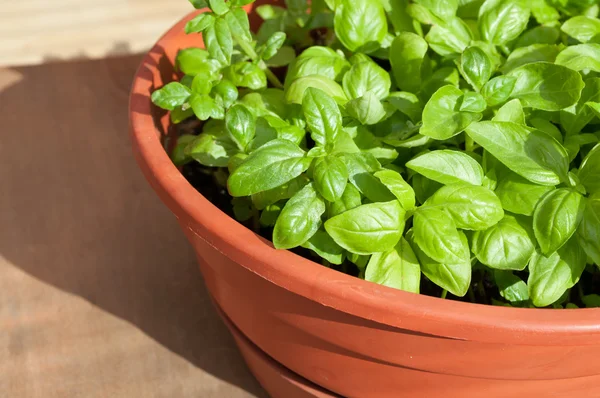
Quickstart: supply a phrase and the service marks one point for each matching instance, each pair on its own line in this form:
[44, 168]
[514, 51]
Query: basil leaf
[219, 42]
[550, 277]
[512, 111]
[454, 277]
[331, 176]
[171, 96]
[199, 23]
[322, 116]
[360, 25]
[178, 155]
[360, 168]
[440, 78]
[398, 187]
[295, 93]
[450, 38]
[511, 287]
[582, 28]
[472, 102]
[239, 25]
[581, 57]
[299, 220]
[322, 61]
[268, 102]
[322, 244]
[350, 199]
[518, 195]
[546, 86]
[556, 218]
[530, 54]
[196, 61]
[589, 172]
[219, 7]
[528, 152]
[407, 103]
[367, 109]
[366, 77]
[246, 74]
[264, 199]
[539, 35]
[440, 119]
[471, 207]
[270, 166]
[476, 67]
[588, 232]
[397, 268]
[505, 246]
[575, 118]
[407, 57]
[437, 236]
[205, 107]
[213, 150]
[226, 92]
[502, 21]
[367, 229]
[448, 167]
[198, 4]
[498, 90]
[241, 125]
[441, 9]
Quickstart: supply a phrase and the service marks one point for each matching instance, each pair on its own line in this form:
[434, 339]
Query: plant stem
[247, 48]
[469, 144]
[444, 293]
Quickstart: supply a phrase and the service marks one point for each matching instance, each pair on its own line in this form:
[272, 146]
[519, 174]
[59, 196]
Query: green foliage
[411, 141]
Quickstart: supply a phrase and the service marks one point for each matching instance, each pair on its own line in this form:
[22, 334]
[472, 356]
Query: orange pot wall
[347, 335]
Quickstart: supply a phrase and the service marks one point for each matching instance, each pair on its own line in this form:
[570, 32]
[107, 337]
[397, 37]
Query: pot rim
[351, 295]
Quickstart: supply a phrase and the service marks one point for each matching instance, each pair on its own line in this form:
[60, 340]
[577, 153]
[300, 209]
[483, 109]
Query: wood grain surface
[100, 295]
[34, 31]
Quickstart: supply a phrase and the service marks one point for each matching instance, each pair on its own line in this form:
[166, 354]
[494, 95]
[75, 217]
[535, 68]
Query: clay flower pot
[348, 336]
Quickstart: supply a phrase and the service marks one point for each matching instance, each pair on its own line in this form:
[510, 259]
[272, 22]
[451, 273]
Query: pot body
[348, 336]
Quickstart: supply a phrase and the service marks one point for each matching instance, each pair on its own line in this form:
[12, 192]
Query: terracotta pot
[347, 335]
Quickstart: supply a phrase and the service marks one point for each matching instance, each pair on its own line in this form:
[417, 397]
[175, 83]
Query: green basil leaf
[324, 245]
[270, 166]
[498, 90]
[350, 199]
[501, 21]
[589, 172]
[546, 86]
[205, 107]
[226, 91]
[322, 116]
[471, 207]
[575, 118]
[299, 220]
[193, 61]
[397, 268]
[591, 300]
[441, 120]
[264, 199]
[268, 102]
[581, 57]
[454, 277]
[530, 54]
[219, 7]
[441, 9]
[539, 35]
[504, 246]
[407, 57]
[472, 102]
[211, 149]
[437, 236]
[588, 232]
[284, 56]
[295, 92]
[407, 103]
[239, 25]
[448, 167]
[519, 195]
[511, 287]
[241, 125]
[528, 152]
[512, 111]
[399, 16]
[322, 61]
[450, 38]
[360, 25]
[398, 187]
[556, 218]
[246, 74]
[170, 96]
[424, 187]
[366, 77]
[367, 109]
[219, 42]
[367, 229]
[543, 12]
[360, 168]
[240, 3]
[582, 28]
[201, 84]
[331, 176]
[440, 78]
[550, 277]
[199, 4]
[273, 45]
[547, 127]
[178, 155]
[199, 23]
[476, 67]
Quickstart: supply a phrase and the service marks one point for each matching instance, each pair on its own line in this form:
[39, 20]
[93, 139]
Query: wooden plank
[35, 31]
[100, 295]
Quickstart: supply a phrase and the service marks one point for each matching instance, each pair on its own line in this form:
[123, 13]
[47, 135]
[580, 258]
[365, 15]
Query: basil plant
[449, 146]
